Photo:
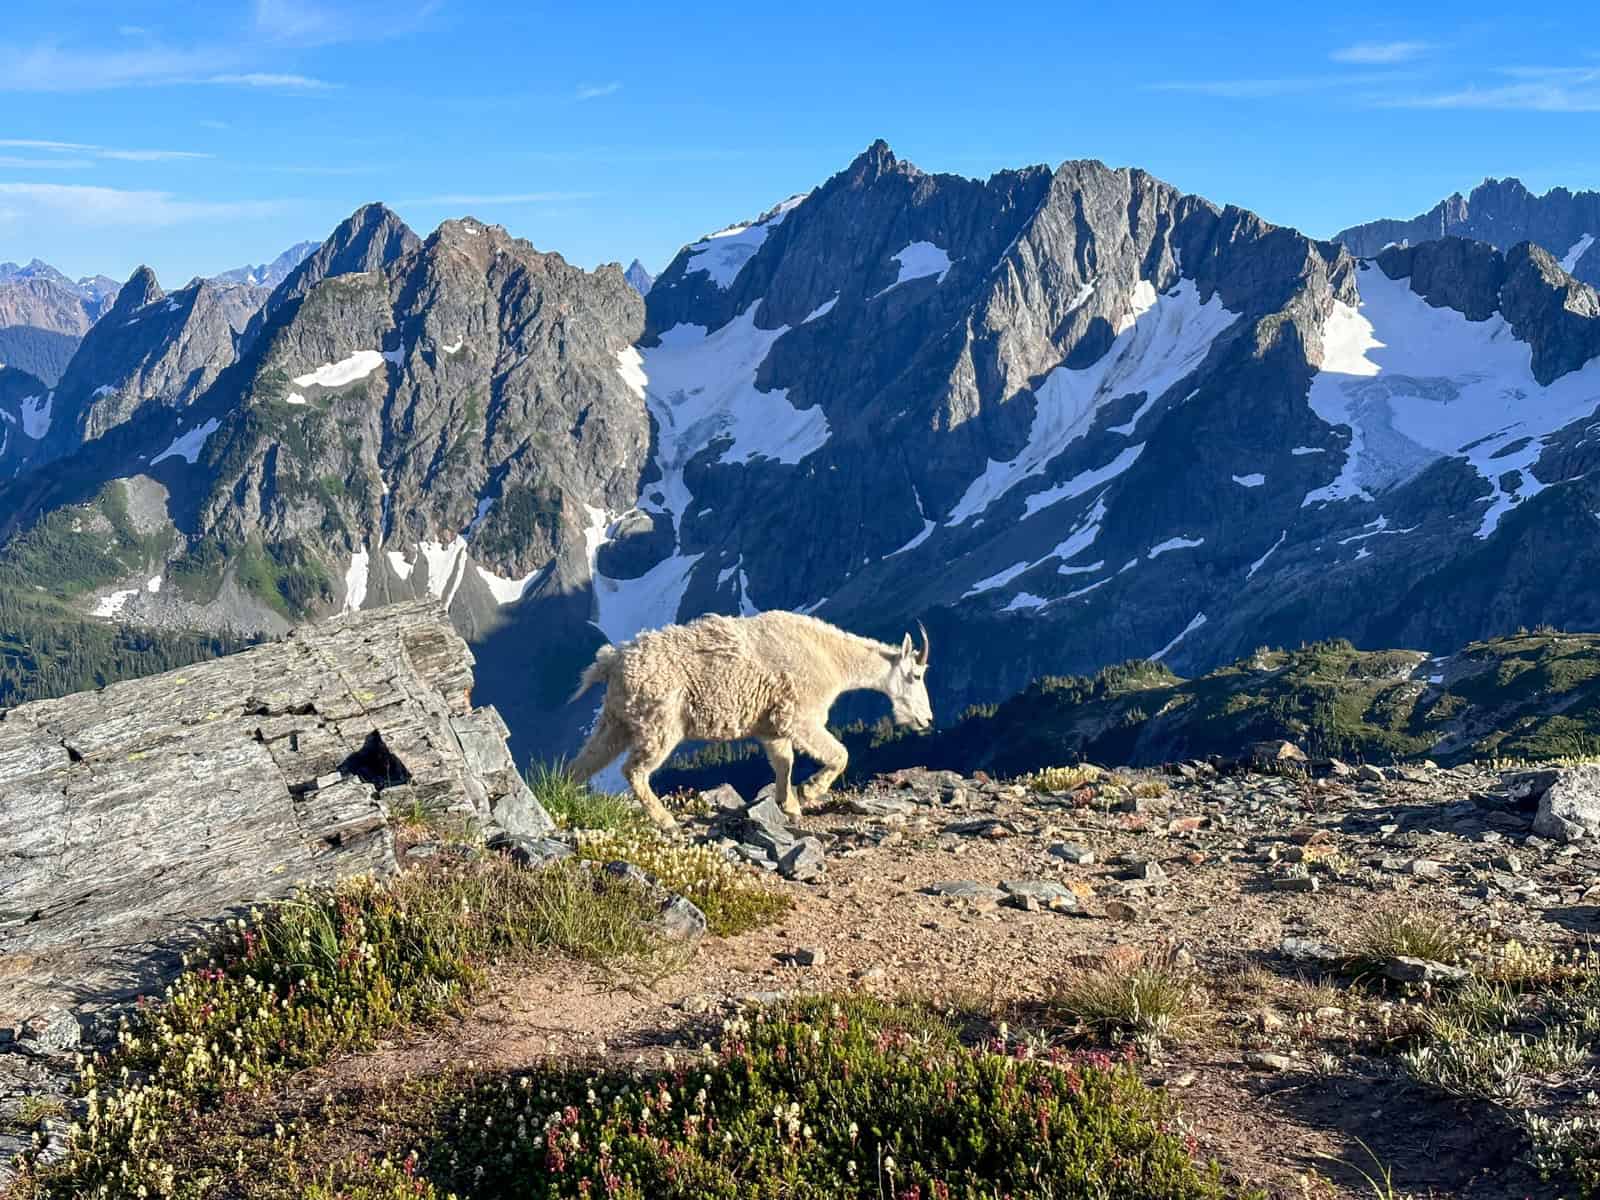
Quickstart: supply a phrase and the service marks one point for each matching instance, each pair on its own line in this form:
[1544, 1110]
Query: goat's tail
[599, 671]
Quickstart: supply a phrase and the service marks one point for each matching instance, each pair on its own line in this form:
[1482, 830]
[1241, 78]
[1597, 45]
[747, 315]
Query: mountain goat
[771, 677]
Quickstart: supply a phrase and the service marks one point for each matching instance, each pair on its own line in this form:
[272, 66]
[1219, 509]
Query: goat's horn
[922, 655]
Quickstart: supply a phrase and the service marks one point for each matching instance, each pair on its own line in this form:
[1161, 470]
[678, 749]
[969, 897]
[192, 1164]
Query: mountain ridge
[1070, 411]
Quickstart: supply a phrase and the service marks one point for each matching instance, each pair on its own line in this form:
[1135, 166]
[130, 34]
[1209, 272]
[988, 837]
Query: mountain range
[1063, 416]
[44, 314]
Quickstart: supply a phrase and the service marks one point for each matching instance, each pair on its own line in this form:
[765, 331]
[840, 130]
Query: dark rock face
[1503, 213]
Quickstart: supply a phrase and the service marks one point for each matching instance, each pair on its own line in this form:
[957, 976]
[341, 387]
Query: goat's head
[908, 686]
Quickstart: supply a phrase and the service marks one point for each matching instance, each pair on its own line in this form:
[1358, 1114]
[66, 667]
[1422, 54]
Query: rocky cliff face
[1064, 416]
[1503, 213]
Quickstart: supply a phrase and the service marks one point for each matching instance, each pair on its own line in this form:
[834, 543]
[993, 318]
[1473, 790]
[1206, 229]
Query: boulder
[135, 814]
[1570, 807]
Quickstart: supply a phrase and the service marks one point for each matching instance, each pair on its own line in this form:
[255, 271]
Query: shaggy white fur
[772, 677]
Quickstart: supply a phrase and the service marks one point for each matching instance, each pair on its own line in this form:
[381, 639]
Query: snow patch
[1174, 543]
[401, 567]
[1199, 620]
[927, 528]
[998, 579]
[1298, 450]
[506, 591]
[1254, 480]
[722, 255]
[1083, 481]
[105, 389]
[1261, 562]
[1025, 600]
[153, 584]
[1416, 383]
[1164, 339]
[1084, 591]
[917, 261]
[1579, 249]
[36, 415]
[294, 398]
[454, 347]
[347, 370]
[822, 309]
[355, 580]
[187, 446]
[446, 567]
[630, 365]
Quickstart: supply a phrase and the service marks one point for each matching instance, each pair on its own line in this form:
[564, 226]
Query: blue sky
[201, 136]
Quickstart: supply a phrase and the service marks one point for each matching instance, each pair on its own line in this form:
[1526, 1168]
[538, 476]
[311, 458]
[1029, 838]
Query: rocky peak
[140, 290]
[369, 239]
[1501, 212]
[639, 277]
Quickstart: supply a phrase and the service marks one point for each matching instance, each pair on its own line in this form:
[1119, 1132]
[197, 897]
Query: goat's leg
[821, 745]
[780, 753]
[637, 770]
[609, 739]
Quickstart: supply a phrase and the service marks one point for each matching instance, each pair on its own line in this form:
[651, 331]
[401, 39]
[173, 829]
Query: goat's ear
[907, 650]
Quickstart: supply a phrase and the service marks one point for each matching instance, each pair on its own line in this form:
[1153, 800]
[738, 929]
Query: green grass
[1156, 997]
[575, 805]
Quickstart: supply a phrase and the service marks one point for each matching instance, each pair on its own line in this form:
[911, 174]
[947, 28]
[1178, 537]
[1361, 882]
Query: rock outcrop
[135, 814]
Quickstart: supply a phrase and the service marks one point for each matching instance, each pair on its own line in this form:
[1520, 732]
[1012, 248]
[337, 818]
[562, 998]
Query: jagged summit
[1501, 212]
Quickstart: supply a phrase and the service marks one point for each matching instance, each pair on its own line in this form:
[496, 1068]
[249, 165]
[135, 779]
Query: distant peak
[876, 160]
[141, 289]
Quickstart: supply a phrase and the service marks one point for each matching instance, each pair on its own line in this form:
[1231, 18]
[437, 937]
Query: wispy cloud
[1253, 89]
[51, 68]
[101, 207]
[260, 79]
[44, 164]
[470, 198]
[1534, 89]
[593, 91]
[98, 152]
[327, 22]
[1381, 53]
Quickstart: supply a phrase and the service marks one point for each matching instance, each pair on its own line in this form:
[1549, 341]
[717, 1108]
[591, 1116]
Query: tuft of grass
[1063, 779]
[733, 898]
[325, 973]
[575, 805]
[825, 1099]
[1157, 997]
[1399, 932]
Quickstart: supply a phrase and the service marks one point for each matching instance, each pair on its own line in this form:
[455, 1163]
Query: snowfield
[917, 261]
[187, 446]
[1416, 383]
[722, 255]
[347, 370]
[1161, 341]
